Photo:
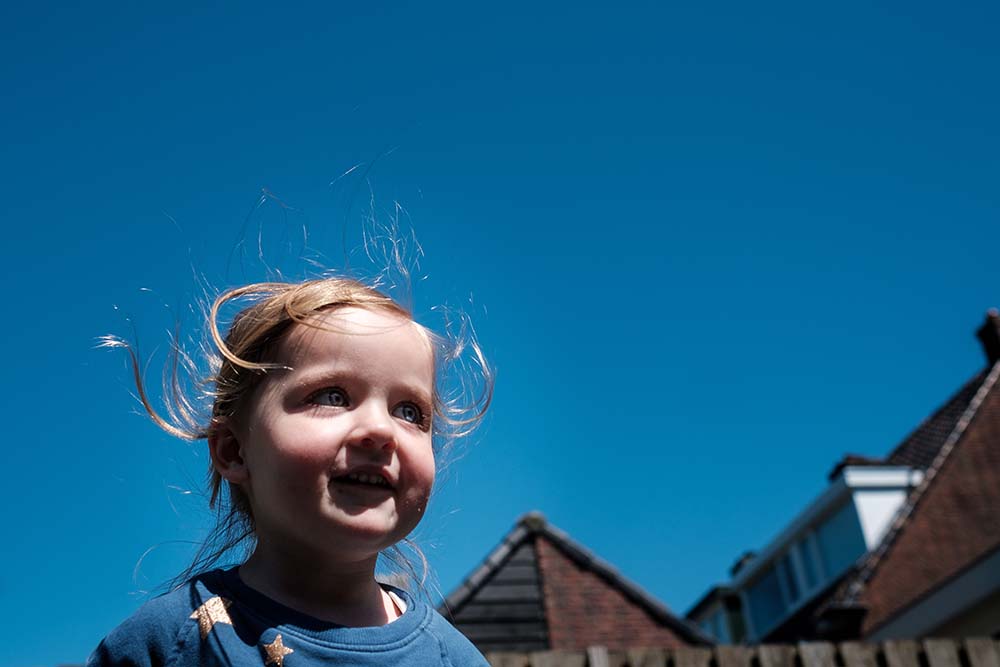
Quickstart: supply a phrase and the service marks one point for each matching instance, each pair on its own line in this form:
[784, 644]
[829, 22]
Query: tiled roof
[539, 589]
[920, 448]
[948, 523]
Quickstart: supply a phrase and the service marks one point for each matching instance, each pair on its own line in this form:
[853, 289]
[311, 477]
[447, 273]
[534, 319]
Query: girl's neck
[340, 592]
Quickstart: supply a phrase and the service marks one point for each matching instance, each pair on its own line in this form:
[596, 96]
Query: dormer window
[821, 544]
[830, 572]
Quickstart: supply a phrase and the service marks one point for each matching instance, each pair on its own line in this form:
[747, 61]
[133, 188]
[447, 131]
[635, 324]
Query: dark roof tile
[921, 447]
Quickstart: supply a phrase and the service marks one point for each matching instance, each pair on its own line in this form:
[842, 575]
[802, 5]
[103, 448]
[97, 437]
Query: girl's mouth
[364, 479]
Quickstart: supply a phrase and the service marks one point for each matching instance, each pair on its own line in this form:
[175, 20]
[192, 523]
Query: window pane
[764, 600]
[787, 574]
[717, 625]
[712, 625]
[808, 564]
[840, 540]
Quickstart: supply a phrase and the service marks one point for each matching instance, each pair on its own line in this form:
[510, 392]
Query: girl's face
[336, 453]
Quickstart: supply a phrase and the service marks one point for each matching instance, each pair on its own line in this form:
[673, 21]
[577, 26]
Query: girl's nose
[374, 429]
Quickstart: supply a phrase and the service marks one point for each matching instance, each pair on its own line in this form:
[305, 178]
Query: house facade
[540, 590]
[900, 547]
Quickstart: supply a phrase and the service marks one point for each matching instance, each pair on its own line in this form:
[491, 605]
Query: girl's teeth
[366, 479]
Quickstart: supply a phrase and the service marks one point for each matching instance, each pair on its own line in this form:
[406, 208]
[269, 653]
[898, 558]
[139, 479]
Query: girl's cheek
[308, 457]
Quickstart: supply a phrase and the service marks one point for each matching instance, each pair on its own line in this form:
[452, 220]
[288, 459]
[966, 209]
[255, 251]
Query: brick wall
[583, 610]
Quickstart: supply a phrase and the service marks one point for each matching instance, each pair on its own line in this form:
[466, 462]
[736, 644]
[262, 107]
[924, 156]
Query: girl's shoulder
[455, 647]
[164, 626]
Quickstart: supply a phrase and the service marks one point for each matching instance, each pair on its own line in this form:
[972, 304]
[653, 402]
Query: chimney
[989, 335]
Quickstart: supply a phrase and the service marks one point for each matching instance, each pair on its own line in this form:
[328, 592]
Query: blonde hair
[238, 362]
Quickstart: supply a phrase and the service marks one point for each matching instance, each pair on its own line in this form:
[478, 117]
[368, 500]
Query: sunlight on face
[338, 449]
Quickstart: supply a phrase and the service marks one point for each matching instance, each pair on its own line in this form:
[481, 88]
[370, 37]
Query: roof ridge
[978, 378]
[871, 561]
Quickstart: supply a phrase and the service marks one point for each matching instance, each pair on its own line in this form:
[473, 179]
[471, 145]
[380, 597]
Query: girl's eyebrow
[307, 378]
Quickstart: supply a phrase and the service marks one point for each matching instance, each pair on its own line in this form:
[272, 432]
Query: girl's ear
[227, 453]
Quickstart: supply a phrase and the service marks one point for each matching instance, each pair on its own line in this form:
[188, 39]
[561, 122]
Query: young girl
[322, 442]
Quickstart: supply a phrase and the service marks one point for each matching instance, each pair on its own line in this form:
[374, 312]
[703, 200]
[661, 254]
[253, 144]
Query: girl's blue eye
[333, 397]
[409, 412]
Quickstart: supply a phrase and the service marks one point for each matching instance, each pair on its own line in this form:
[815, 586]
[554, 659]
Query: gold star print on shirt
[276, 652]
[214, 610]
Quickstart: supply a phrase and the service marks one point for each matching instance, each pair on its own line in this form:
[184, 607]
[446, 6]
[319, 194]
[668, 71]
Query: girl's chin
[377, 521]
[375, 529]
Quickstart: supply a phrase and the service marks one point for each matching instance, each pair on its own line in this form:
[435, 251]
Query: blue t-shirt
[218, 620]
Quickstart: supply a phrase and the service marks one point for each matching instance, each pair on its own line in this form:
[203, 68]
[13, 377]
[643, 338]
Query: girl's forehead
[356, 331]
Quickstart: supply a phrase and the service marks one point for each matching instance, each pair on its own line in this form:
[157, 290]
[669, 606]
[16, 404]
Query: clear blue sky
[710, 250]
